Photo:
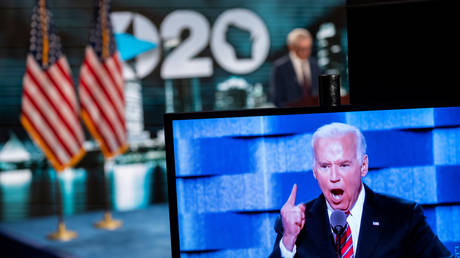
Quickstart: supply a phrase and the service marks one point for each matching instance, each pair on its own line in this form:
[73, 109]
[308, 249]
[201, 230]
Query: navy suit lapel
[317, 222]
[371, 226]
[292, 74]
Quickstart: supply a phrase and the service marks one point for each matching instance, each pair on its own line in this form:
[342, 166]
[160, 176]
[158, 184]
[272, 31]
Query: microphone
[329, 90]
[338, 222]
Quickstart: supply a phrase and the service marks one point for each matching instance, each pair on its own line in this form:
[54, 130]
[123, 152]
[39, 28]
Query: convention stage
[145, 233]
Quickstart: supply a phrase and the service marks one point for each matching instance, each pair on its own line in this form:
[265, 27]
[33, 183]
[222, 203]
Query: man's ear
[314, 171]
[365, 166]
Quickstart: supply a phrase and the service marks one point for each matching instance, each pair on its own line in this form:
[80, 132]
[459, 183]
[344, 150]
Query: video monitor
[230, 172]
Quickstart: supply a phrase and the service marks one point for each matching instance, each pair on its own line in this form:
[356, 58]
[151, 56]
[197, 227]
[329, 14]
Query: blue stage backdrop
[234, 174]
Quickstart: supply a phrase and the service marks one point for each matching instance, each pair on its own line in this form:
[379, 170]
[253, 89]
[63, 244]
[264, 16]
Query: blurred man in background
[294, 77]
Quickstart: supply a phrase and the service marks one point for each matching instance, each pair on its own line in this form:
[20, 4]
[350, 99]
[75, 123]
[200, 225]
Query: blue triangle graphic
[130, 46]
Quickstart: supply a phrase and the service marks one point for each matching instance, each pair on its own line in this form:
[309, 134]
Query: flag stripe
[41, 141]
[33, 94]
[51, 89]
[101, 86]
[43, 144]
[98, 127]
[35, 111]
[101, 95]
[38, 123]
[118, 63]
[100, 100]
[115, 80]
[61, 73]
[67, 115]
[53, 114]
[101, 124]
[68, 111]
[55, 77]
[49, 105]
[97, 133]
[115, 67]
[90, 103]
[102, 80]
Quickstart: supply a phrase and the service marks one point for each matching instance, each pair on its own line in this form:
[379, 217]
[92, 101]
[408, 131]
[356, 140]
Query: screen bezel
[169, 141]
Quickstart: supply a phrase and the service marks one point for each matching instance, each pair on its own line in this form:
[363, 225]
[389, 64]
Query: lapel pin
[375, 223]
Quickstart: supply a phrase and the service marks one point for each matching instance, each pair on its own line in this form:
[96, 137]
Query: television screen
[230, 172]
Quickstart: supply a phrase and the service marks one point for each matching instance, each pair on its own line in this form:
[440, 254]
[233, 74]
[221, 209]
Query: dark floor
[145, 233]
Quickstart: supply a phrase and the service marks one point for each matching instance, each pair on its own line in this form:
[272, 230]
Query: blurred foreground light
[336, 49]
[326, 30]
[323, 61]
[131, 185]
[15, 177]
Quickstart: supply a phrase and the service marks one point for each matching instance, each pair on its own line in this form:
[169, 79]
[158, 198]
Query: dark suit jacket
[402, 230]
[284, 86]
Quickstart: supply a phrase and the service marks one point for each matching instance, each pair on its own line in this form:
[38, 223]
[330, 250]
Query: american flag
[49, 105]
[101, 86]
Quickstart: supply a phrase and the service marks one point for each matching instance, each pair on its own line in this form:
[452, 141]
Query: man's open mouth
[337, 194]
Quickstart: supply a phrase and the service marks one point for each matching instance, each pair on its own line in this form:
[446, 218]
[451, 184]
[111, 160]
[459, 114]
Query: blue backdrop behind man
[294, 78]
[384, 226]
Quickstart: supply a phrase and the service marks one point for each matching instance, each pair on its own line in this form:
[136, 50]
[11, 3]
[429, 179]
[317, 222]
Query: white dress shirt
[354, 222]
[301, 67]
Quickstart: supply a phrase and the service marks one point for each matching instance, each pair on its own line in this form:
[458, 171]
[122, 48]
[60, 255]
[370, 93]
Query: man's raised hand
[293, 218]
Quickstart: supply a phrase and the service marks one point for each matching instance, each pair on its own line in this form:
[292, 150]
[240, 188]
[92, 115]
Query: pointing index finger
[293, 195]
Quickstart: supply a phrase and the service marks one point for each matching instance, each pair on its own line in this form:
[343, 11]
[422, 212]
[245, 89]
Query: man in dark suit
[376, 225]
[294, 77]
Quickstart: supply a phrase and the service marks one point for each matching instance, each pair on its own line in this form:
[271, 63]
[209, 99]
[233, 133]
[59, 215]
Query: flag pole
[62, 234]
[109, 127]
[43, 62]
[108, 222]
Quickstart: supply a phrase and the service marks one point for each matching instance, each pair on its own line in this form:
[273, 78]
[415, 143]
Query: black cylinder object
[329, 90]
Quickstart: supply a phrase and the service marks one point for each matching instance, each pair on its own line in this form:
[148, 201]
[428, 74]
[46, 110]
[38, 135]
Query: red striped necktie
[305, 81]
[346, 243]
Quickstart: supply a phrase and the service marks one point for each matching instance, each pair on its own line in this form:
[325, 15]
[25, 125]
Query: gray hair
[337, 130]
[297, 34]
